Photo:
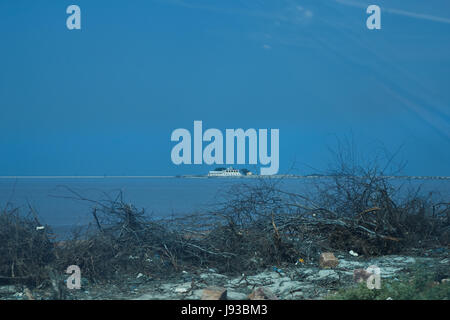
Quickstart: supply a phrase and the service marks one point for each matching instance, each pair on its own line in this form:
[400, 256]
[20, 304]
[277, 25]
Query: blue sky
[105, 99]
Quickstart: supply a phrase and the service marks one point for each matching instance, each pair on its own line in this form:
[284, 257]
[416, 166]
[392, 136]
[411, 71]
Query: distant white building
[229, 172]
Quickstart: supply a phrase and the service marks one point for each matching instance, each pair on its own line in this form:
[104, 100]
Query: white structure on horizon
[229, 172]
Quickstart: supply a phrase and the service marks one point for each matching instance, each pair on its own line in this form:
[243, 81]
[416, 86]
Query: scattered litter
[277, 270]
[40, 228]
[353, 253]
[181, 290]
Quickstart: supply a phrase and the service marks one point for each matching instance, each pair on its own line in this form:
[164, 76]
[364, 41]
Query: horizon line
[200, 176]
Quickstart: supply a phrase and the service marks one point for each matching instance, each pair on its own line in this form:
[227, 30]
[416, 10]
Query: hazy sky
[105, 99]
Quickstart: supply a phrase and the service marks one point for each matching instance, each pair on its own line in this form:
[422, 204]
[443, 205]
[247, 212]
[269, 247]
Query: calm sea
[159, 196]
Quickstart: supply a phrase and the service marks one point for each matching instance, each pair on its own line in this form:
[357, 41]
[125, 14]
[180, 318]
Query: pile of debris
[255, 226]
[26, 248]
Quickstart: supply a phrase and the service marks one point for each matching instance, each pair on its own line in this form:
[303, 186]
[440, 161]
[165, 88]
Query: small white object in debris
[181, 290]
[140, 275]
[40, 228]
[389, 298]
[353, 253]
[184, 272]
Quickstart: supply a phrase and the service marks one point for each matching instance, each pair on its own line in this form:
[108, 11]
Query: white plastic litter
[181, 290]
[40, 228]
[353, 253]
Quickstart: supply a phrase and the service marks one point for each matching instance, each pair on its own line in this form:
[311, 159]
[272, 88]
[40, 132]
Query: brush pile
[255, 225]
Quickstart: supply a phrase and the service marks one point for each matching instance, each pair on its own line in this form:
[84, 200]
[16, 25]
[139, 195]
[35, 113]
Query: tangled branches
[255, 225]
[26, 249]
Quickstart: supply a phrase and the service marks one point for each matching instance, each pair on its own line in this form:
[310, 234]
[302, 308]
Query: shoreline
[292, 282]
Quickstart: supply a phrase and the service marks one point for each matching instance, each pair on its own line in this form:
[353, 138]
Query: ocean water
[160, 197]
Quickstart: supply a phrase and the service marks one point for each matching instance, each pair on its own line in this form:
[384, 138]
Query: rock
[361, 275]
[328, 274]
[262, 294]
[212, 276]
[350, 264]
[328, 260]
[195, 295]
[408, 260]
[285, 289]
[214, 293]
[324, 275]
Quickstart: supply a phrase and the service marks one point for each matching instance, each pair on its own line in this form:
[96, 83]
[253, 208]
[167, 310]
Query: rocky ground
[297, 281]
